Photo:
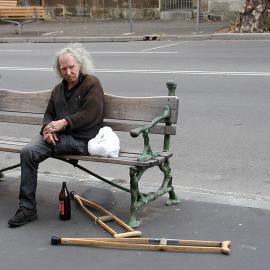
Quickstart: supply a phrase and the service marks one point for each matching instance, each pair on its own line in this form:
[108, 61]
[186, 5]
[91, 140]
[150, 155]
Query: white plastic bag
[105, 144]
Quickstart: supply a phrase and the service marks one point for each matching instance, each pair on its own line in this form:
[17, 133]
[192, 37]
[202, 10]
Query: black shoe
[22, 216]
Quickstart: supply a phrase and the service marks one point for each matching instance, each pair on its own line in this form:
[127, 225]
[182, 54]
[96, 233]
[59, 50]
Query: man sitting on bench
[73, 116]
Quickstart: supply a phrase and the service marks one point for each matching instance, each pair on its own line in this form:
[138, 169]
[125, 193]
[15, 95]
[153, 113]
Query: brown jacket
[84, 110]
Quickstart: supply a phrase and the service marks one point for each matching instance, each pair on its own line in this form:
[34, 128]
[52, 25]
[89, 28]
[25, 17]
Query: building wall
[104, 3]
[224, 5]
[224, 8]
[219, 9]
[103, 8]
[142, 9]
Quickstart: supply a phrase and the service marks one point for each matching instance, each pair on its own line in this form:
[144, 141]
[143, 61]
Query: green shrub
[267, 22]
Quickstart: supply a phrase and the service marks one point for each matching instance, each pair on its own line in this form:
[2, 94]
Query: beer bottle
[64, 203]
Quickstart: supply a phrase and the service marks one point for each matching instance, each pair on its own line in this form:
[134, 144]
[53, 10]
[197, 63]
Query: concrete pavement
[29, 247]
[80, 29]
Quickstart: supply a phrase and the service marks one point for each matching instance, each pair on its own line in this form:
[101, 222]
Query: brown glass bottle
[64, 203]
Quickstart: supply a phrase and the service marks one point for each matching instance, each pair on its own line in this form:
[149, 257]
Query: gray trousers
[37, 151]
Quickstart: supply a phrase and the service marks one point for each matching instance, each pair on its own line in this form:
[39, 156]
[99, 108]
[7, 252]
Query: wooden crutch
[106, 217]
[148, 244]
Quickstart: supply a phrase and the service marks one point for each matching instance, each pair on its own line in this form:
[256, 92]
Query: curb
[192, 37]
[241, 36]
[69, 39]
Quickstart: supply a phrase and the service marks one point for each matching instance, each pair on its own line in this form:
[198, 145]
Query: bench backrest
[121, 113]
[9, 9]
[8, 3]
[35, 12]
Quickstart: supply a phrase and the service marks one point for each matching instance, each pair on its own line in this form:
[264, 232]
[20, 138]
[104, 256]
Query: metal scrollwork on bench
[147, 153]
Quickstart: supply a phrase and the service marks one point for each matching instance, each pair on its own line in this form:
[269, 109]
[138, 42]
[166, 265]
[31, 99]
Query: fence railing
[166, 5]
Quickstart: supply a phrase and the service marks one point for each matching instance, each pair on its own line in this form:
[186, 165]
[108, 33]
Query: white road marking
[140, 52]
[128, 34]
[103, 52]
[25, 69]
[248, 247]
[185, 72]
[164, 46]
[154, 71]
[9, 50]
[53, 33]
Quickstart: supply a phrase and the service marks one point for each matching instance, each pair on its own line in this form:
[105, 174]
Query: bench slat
[14, 139]
[139, 108]
[158, 129]
[8, 3]
[125, 158]
[116, 107]
[22, 12]
[33, 102]
[36, 119]
[21, 118]
[29, 9]
[11, 144]
[23, 141]
[20, 16]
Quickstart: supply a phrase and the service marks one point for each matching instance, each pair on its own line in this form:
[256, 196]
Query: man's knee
[36, 150]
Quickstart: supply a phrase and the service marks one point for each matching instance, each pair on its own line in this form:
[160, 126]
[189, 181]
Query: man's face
[69, 68]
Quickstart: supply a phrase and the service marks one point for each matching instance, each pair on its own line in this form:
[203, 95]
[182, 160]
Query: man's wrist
[65, 123]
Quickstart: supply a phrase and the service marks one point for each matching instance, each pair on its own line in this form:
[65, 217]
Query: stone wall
[103, 8]
[142, 9]
[225, 9]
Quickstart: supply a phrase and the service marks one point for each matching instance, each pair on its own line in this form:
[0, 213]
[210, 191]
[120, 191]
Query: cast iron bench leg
[136, 197]
[167, 182]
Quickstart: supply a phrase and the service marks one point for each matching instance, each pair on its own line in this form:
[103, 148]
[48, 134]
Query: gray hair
[81, 55]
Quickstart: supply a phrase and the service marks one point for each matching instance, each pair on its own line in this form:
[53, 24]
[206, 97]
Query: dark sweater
[83, 110]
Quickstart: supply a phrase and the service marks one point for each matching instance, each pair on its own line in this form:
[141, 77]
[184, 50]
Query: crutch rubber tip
[55, 240]
[72, 193]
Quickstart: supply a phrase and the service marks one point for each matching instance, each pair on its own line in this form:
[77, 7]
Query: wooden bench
[136, 115]
[20, 15]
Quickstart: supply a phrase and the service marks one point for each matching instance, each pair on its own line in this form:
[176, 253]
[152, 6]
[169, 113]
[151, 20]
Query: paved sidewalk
[28, 247]
[87, 27]
[80, 29]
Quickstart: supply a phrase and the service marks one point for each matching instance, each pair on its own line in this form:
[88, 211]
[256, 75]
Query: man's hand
[55, 126]
[50, 138]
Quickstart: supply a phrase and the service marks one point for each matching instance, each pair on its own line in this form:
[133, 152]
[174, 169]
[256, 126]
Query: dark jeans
[37, 151]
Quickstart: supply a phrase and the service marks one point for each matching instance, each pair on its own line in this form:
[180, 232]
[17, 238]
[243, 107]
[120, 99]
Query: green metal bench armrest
[147, 152]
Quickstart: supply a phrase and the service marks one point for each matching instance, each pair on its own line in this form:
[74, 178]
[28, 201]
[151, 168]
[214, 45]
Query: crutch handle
[128, 234]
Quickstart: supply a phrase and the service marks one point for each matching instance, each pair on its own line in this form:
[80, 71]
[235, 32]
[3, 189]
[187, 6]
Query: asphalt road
[221, 151]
